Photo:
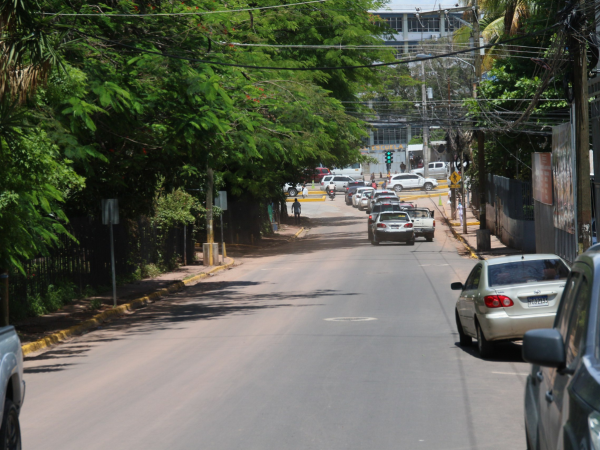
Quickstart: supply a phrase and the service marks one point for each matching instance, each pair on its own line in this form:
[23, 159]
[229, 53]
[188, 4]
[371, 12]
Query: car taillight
[434, 223]
[408, 225]
[381, 225]
[370, 217]
[497, 301]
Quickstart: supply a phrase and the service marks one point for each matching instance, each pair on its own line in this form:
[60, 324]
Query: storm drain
[350, 319]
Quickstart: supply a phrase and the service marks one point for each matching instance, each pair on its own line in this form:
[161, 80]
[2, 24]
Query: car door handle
[549, 396]
[539, 376]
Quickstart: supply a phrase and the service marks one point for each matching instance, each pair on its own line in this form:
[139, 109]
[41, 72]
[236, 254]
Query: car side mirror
[457, 286]
[544, 347]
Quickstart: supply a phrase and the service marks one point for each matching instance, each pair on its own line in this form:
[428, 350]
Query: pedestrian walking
[402, 167]
[459, 208]
[296, 209]
[373, 177]
[305, 191]
[380, 175]
[374, 185]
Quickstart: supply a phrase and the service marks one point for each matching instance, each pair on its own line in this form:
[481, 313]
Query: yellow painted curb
[297, 234]
[97, 320]
[303, 200]
[457, 224]
[408, 197]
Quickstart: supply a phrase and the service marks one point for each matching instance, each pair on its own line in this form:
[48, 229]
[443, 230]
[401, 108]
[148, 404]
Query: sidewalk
[470, 237]
[80, 310]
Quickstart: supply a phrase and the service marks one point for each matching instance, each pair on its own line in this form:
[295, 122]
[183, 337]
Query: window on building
[452, 24]
[395, 23]
[425, 24]
[389, 136]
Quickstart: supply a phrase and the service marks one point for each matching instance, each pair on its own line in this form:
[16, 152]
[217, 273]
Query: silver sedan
[505, 297]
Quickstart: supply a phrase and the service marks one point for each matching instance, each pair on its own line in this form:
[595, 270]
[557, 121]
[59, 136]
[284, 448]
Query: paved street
[250, 360]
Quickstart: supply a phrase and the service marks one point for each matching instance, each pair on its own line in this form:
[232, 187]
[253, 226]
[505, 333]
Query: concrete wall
[514, 233]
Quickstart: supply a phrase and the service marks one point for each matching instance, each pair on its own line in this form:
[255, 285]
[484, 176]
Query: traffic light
[389, 157]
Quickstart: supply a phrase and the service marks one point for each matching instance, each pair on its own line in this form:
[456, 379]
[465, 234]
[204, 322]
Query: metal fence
[515, 197]
[86, 261]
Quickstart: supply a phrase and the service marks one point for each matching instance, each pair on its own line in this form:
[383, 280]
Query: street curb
[97, 320]
[297, 234]
[408, 197]
[303, 200]
[471, 250]
[457, 224]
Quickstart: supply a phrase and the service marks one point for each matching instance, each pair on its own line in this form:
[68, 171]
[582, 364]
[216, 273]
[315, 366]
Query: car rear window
[397, 216]
[519, 272]
[387, 207]
[419, 214]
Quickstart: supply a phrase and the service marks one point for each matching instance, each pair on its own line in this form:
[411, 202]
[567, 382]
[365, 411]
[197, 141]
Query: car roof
[516, 258]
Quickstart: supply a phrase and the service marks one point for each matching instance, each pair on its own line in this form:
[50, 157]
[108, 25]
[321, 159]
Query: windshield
[419, 214]
[527, 272]
[398, 216]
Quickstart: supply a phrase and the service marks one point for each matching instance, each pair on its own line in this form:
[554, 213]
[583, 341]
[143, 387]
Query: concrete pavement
[249, 359]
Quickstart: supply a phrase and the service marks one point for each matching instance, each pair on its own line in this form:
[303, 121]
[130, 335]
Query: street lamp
[425, 124]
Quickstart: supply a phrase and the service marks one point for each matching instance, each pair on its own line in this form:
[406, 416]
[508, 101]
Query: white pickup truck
[13, 388]
[423, 222]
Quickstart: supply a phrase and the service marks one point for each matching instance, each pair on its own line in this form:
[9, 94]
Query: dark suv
[562, 394]
[351, 190]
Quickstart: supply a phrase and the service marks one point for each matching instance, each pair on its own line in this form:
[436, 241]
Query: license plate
[539, 300]
[395, 227]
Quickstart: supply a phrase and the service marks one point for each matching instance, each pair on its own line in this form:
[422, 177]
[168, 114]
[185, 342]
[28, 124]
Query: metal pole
[112, 262]
[185, 244]
[479, 133]
[425, 126]
[464, 202]
[222, 241]
[210, 236]
[4, 319]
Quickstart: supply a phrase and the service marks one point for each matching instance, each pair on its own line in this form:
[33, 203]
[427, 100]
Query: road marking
[511, 373]
[350, 319]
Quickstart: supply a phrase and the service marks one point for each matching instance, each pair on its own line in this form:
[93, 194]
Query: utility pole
[425, 126]
[582, 140]
[210, 236]
[483, 237]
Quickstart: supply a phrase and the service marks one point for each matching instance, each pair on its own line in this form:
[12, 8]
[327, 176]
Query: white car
[358, 195]
[411, 181]
[503, 298]
[291, 190]
[439, 170]
[365, 200]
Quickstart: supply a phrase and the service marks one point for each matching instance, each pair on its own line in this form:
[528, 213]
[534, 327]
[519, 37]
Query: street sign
[221, 200]
[455, 177]
[110, 211]
[455, 186]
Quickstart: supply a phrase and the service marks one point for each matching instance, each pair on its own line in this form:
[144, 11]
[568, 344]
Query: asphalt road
[249, 360]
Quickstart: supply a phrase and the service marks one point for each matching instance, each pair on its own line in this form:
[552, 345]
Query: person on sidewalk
[296, 209]
[402, 167]
[305, 191]
[372, 176]
[459, 208]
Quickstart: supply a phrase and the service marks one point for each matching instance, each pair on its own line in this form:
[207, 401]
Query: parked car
[320, 172]
[11, 380]
[423, 221]
[439, 170]
[378, 209]
[411, 181]
[503, 298]
[562, 391]
[358, 195]
[291, 190]
[340, 182]
[393, 226]
[351, 189]
[354, 170]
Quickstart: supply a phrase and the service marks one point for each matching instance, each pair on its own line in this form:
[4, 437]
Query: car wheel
[10, 431]
[429, 238]
[485, 347]
[398, 188]
[292, 192]
[465, 340]
[411, 242]
[428, 186]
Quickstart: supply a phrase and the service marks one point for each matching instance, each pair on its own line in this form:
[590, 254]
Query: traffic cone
[440, 199]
